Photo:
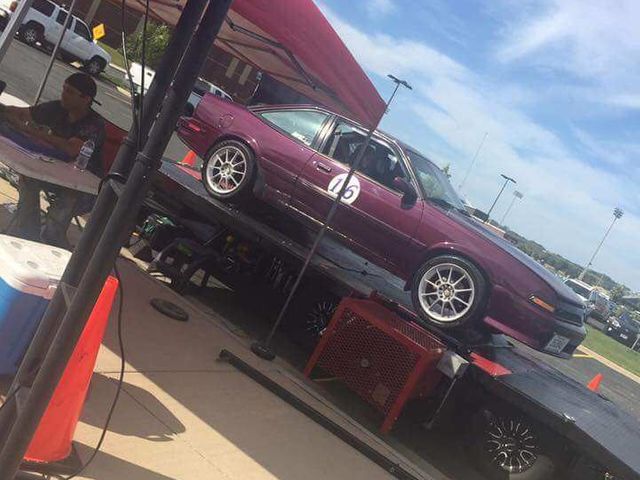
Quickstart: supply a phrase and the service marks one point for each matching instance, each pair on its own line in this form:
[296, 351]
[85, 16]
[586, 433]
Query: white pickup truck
[199, 89]
[43, 24]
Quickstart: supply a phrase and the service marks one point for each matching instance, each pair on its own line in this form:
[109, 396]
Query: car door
[78, 40]
[56, 28]
[373, 216]
[286, 145]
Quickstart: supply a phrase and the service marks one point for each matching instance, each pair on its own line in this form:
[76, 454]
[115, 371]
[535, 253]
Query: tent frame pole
[71, 314]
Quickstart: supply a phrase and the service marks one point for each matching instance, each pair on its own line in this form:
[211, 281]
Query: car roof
[579, 282]
[309, 106]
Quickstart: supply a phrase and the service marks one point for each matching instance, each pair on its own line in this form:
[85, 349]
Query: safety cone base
[68, 466]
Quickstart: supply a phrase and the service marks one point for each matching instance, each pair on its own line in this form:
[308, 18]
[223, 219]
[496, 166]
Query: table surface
[41, 167]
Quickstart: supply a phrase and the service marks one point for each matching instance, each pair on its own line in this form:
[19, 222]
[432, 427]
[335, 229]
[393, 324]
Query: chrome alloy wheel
[226, 170]
[446, 292]
[511, 445]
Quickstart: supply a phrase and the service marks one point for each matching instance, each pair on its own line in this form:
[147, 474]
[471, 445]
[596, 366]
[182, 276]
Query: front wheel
[229, 172]
[95, 66]
[449, 291]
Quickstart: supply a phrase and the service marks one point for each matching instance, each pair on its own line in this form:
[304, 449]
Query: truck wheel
[509, 447]
[449, 291]
[31, 34]
[309, 315]
[95, 66]
[188, 110]
[229, 171]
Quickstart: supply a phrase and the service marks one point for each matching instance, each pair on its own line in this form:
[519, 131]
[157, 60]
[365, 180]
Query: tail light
[13, 6]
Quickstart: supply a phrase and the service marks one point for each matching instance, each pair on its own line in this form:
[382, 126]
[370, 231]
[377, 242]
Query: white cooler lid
[31, 267]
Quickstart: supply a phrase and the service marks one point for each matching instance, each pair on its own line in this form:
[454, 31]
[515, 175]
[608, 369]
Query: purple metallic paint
[378, 227]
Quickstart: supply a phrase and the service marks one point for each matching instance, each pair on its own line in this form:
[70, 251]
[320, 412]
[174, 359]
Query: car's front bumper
[535, 327]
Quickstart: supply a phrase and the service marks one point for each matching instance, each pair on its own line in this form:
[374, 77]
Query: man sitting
[64, 124]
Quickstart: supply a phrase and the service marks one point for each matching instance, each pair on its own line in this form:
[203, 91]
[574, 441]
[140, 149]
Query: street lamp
[617, 214]
[506, 180]
[516, 196]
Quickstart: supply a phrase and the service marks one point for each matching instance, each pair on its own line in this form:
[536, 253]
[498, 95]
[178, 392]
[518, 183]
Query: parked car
[597, 302]
[43, 24]
[399, 211]
[624, 329]
[200, 88]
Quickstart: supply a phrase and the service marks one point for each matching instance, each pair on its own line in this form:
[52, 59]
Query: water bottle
[82, 160]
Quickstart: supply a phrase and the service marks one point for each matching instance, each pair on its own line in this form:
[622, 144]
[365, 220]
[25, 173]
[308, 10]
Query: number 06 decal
[351, 192]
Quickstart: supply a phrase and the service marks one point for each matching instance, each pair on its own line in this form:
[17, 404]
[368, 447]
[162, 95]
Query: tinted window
[62, 16]
[379, 161]
[82, 30]
[302, 125]
[43, 6]
[434, 182]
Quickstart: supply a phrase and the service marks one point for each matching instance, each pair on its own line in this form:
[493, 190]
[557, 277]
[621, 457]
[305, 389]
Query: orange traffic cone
[594, 384]
[189, 158]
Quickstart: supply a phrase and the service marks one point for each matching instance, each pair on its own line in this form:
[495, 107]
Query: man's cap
[83, 83]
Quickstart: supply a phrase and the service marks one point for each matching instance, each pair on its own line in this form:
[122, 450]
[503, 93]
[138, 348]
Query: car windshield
[579, 289]
[434, 182]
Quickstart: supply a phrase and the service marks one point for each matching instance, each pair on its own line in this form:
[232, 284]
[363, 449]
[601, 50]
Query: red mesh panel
[378, 355]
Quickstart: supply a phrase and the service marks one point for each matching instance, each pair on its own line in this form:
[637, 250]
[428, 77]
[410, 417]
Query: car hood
[564, 292]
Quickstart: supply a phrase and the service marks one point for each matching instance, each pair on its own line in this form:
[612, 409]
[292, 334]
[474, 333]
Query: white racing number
[351, 192]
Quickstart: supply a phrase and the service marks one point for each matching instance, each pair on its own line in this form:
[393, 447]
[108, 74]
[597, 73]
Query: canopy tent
[293, 42]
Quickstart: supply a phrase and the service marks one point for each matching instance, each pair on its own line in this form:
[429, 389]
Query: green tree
[617, 293]
[158, 35]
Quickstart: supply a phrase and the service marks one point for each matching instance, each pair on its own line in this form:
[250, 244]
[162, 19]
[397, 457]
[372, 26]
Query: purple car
[399, 211]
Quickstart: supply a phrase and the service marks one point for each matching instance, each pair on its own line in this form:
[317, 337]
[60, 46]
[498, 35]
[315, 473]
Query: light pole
[504, 185]
[617, 214]
[516, 195]
[473, 160]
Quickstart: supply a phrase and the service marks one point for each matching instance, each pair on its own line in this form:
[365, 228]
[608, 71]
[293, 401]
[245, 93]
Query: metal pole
[52, 60]
[263, 349]
[513, 200]
[106, 251]
[473, 161]
[101, 212]
[616, 216]
[506, 180]
[15, 22]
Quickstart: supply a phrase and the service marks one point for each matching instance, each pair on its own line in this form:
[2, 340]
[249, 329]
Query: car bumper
[529, 324]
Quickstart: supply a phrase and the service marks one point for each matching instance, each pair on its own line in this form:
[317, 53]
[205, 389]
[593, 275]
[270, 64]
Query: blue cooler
[29, 275]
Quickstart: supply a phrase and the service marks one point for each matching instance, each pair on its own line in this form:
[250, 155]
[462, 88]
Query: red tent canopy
[293, 42]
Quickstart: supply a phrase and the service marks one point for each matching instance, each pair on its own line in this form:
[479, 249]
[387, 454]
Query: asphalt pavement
[23, 68]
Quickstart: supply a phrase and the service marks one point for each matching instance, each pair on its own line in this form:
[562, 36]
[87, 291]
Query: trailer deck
[595, 425]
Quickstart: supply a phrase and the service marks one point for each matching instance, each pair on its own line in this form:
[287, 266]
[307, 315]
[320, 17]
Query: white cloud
[567, 200]
[628, 100]
[376, 8]
[596, 40]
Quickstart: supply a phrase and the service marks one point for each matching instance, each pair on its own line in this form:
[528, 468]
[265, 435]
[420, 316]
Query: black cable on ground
[120, 381]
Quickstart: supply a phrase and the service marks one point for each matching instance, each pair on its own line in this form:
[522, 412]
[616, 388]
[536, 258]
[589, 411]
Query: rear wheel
[31, 34]
[229, 172]
[507, 446]
[449, 291]
[95, 66]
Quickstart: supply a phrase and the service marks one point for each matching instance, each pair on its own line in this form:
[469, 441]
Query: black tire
[242, 193]
[309, 315]
[467, 314]
[95, 66]
[543, 465]
[188, 110]
[31, 33]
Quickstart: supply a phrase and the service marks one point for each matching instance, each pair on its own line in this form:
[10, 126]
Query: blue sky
[553, 84]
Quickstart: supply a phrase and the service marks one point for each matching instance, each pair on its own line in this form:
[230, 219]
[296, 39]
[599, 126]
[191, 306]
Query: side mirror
[410, 195]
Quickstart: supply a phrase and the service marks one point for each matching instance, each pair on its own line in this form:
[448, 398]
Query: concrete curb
[610, 364]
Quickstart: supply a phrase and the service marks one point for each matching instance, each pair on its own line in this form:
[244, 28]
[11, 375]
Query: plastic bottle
[86, 152]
